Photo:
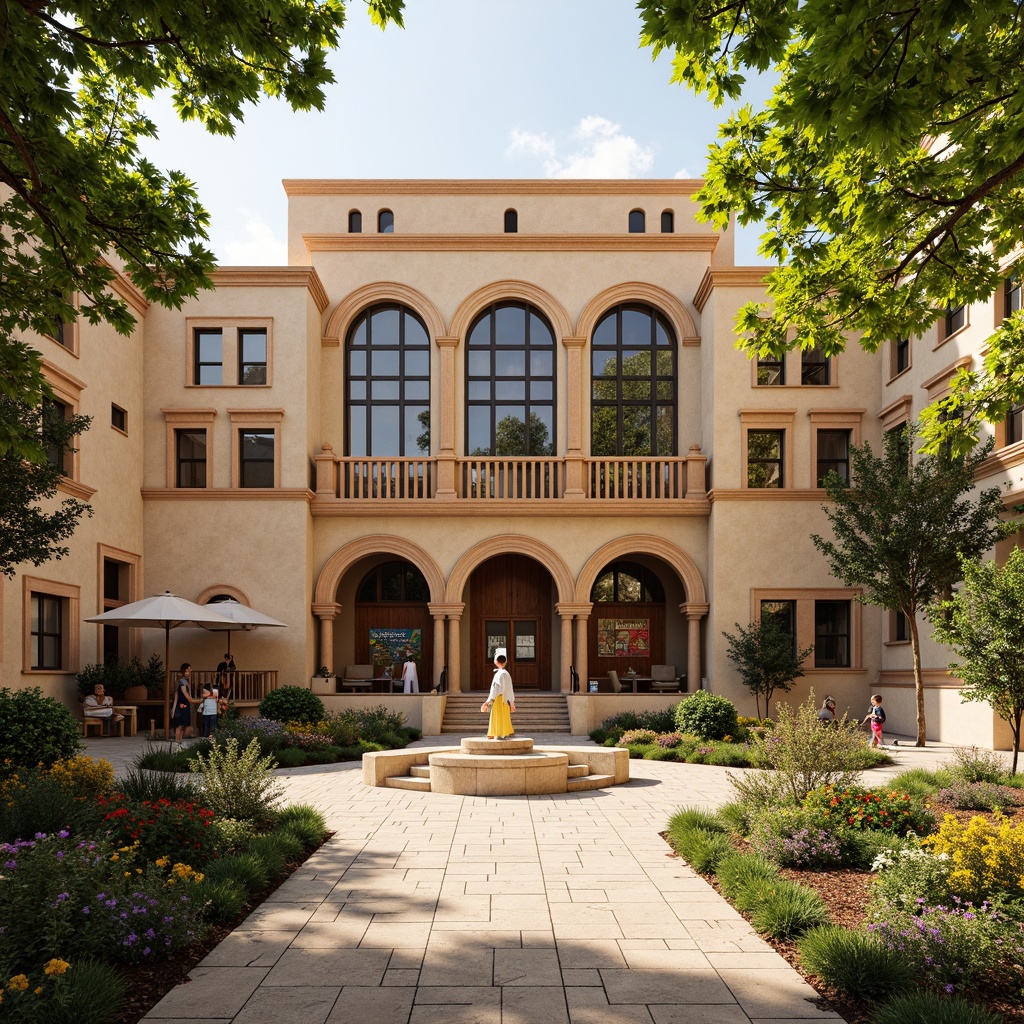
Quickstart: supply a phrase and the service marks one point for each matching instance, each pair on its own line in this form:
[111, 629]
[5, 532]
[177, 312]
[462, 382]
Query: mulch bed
[845, 892]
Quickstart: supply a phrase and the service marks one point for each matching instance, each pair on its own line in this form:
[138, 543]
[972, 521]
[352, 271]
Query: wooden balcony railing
[624, 479]
[249, 687]
[489, 478]
[492, 479]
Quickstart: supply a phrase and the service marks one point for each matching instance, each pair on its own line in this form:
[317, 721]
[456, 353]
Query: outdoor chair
[664, 679]
[358, 677]
[617, 683]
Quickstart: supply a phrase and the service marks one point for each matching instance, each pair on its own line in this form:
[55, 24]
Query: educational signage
[623, 638]
[388, 646]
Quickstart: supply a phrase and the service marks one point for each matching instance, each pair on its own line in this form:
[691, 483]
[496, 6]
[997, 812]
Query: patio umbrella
[241, 616]
[163, 612]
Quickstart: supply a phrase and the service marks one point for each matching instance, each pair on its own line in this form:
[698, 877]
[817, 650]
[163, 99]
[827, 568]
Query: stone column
[582, 613]
[453, 613]
[445, 489]
[326, 613]
[438, 648]
[574, 465]
[565, 662]
[694, 613]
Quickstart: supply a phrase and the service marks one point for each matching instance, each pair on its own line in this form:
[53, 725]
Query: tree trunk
[1015, 727]
[915, 645]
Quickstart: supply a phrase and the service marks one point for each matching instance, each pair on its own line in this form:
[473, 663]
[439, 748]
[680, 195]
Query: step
[420, 771]
[408, 782]
[588, 782]
[578, 771]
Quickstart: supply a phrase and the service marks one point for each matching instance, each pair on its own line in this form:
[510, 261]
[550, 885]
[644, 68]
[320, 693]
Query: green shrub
[921, 782]
[853, 962]
[885, 809]
[735, 817]
[32, 801]
[980, 796]
[600, 735]
[305, 822]
[802, 756]
[638, 751]
[91, 992]
[781, 909]
[920, 1006]
[861, 849]
[703, 850]
[271, 852]
[232, 835]
[117, 676]
[250, 872]
[906, 873]
[292, 704]
[239, 785]
[225, 899]
[140, 784]
[170, 761]
[665, 754]
[637, 737]
[180, 829]
[351, 753]
[728, 756]
[657, 721]
[971, 764]
[35, 729]
[742, 874]
[793, 838]
[373, 724]
[695, 817]
[706, 715]
[291, 757]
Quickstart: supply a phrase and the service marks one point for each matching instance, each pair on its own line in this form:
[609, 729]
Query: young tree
[766, 658]
[984, 624]
[76, 197]
[887, 165]
[902, 528]
[28, 533]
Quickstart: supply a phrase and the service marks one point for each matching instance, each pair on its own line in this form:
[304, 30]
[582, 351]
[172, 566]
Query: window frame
[231, 327]
[1013, 288]
[809, 367]
[355, 222]
[130, 564]
[955, 319]
[897, 348]
[767, 364]
[806, 598]
[895, 616]
[511, 221]
[765, 420]
[385, 221]
[67, 334]
[243, 364]
[255, 421]
[180, 434]
[850, 420]
[636, 223]
[68, 391]
[848, 605]
[116, 409]
[198, 363]
[70, 597]
[668, 222]
[188, 419]
[651, 401]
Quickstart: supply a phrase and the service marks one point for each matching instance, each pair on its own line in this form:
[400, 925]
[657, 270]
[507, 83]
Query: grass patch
[781, 909]
[921, 1006]
[853, 962]
[740, 874]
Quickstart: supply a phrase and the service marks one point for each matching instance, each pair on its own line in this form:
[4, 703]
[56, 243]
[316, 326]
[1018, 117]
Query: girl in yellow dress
[501, 701]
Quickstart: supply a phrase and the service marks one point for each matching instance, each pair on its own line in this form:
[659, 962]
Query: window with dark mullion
[833, 455]
[256, 458]
[831, 634]
[510, 382]
[1015, 424]
[46, 632]
[633, 402]
[208, 353]
[190, 457]
[771, 371]
[1012, 294]
[902, 354]
[252, 355]
[814, 369]
[388, 374]
[956, 317]
[58, 456]
[764, 458]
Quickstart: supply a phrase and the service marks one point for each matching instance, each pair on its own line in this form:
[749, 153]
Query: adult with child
[182, 704]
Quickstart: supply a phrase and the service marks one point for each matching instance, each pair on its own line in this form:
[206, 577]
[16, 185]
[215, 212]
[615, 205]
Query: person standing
[501, 701]
[410, 676]
[226, 676]
[209, 709]
[876, 719]
[182, 717]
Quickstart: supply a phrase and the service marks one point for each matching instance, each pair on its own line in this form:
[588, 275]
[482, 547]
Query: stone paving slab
[434, 909]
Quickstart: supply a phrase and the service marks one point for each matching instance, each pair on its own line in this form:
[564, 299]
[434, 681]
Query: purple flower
[63, 833]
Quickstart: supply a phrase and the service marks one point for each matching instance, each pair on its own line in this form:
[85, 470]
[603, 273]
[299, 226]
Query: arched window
[355, 222]
[668, 222]
[394, 581]
[385, 222]
[510, 382]
[511, 222]
[637, 222]
[387, 356]
[633, 396]
[627, 582]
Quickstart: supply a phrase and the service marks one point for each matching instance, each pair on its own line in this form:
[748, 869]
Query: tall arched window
[633, 396]
[510, 382]
[355, 222]
[668, 222]
[627, 582]
[386, 222]
[387, 355]
[511, 222]
[637, 222]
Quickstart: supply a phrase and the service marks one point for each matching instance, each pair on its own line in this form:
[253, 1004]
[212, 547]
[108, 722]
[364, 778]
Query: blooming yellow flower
[39, 990]
[162, 862]
[18, 983]
[56, 966]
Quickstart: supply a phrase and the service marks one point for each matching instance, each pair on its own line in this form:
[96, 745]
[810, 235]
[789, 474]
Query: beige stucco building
[496, 412]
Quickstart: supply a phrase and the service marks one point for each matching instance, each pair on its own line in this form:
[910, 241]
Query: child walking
[876, 718]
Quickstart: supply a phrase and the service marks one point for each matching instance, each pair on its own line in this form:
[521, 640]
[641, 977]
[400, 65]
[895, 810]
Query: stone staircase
[535, 713]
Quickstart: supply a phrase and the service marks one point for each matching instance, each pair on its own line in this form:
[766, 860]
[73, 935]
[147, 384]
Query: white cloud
[596, 148]
[259, 248]
[684, 173]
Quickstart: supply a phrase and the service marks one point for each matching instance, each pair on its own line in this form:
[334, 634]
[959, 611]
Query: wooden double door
[510, 607]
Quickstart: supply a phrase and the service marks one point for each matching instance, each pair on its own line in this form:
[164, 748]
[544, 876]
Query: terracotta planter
[134, 693]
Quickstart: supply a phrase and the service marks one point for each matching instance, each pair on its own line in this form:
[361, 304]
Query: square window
[764, 458]
[256, 458]
[118, 418]
[814, 367]
[771, 371]
[831, 634]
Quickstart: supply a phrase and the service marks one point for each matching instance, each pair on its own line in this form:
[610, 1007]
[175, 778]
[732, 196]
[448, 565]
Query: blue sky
[469, 89]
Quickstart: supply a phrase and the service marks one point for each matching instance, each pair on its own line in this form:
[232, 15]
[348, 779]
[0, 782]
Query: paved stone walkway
[432, 909]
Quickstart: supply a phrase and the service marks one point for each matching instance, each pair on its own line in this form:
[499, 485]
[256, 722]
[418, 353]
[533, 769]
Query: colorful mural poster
[388, 646]
[623, 638]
